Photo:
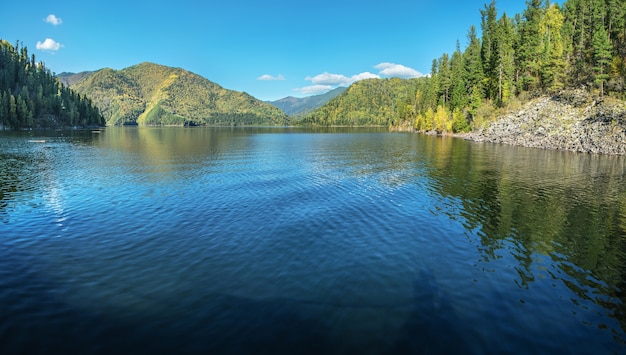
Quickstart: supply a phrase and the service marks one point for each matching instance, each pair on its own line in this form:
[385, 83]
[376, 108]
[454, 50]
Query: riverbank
[572, 120]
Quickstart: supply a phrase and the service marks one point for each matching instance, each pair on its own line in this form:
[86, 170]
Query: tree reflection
[531, 203]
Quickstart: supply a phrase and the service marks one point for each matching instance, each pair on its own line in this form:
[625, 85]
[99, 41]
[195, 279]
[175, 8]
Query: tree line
[152, 94]
[545, 49]
[32, 97]
[370, 102]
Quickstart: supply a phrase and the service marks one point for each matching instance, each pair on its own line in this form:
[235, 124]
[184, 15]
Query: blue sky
[270, 49]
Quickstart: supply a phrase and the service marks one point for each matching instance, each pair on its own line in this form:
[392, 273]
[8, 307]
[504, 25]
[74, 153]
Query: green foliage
[583, 19]
[602, 54]
[543, 50]
[473, 63]
[459, 123]
[31, 96]
[152, 94]
[156, 115]
[552, 70]
[529, 47]
[371, 102]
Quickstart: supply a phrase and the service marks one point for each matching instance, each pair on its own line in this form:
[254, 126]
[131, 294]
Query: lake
[289, 240]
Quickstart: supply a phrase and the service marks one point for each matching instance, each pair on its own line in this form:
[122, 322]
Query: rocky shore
[572, 120]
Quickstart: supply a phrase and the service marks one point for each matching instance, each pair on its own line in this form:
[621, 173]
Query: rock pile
[571, 120]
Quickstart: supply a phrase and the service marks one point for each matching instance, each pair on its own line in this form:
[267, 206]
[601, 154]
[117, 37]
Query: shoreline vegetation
[552, 77]
[572, 120]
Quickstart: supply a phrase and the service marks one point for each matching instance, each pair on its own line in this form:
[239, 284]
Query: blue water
[267, 240]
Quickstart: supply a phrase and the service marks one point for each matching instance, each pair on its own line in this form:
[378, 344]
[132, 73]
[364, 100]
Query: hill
[152, 94]
[69, 79]
[545, 52]
[371, 102]
[31, 97]
[294, 106]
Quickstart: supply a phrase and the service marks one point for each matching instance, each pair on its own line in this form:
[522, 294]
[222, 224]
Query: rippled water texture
[292, 241]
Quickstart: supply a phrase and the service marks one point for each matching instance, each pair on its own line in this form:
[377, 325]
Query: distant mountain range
[153, 94]
[294, 106]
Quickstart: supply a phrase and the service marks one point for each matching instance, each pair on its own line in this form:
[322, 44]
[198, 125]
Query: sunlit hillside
[153, 94]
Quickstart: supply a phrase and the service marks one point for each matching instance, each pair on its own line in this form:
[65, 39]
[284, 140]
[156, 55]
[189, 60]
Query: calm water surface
[293, 241]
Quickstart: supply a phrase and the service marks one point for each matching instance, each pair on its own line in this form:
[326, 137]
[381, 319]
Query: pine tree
[602, 54]
[529, 50]
[433, 89]
[504, 61]
[473, 64]
[445, 79]
[488, 52]
[458, 96]
[31, 94]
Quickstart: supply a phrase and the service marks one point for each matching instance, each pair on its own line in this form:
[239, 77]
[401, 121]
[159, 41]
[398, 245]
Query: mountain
[69, 79]
[370, 102]
[152, 94]
[31, 96]
[294, 106]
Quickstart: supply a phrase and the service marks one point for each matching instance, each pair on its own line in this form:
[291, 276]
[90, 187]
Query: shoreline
[568, 121]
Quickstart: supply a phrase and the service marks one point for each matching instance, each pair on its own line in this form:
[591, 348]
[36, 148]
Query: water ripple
[226, 239]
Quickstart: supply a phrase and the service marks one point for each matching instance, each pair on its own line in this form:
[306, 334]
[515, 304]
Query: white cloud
[52, 19]
[397, 71]
[49, 45]
[328, 81]
[314, 89]
[339, 79]
[267, 77]
[363, 76]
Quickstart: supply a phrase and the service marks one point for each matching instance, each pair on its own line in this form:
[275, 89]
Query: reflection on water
[560, 216]
[282, 239]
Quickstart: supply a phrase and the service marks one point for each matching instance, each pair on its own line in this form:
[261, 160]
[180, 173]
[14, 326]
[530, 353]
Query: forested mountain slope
[380, 102]
[151, 94]
[540, 52]
[32, 97]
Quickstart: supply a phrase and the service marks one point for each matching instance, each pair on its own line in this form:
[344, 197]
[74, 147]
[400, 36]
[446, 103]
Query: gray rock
[571, 120]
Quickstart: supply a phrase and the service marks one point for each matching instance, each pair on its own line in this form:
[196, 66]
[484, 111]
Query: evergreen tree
[488, 52]
[529, 50]
[445, 79]
[602, 53]
[433, 89]
[31, 95]
[473, 64]
[503, 62]
[458, 96]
